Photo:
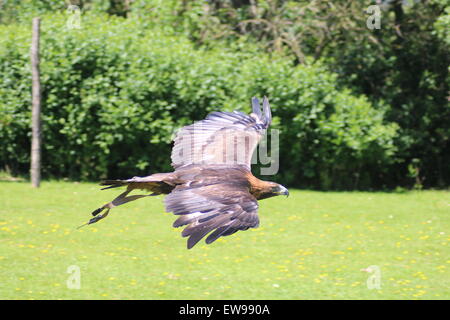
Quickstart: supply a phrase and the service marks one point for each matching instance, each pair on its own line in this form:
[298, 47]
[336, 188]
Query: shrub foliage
[115, 91]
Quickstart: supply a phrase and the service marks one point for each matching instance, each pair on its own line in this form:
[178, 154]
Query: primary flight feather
[212, 189]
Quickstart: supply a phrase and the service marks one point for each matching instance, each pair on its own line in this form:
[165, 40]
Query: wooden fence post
[35, 169]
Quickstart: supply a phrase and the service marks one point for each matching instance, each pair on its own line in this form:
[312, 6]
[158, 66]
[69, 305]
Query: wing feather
[223, 209]
[222, 138]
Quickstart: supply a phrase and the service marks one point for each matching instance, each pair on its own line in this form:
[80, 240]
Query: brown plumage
[212, 190]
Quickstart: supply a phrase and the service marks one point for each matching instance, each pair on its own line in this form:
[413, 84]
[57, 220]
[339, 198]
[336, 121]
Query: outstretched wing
[222, 138]
[221, 209]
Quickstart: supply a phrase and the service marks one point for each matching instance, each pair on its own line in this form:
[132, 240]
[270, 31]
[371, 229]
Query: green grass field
[312, 245]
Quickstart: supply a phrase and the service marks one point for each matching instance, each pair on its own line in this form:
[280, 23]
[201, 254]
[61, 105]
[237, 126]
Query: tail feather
[113, 183]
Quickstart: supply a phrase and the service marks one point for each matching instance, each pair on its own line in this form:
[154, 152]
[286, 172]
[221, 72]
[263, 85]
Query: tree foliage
[116, 90]
[357, 107]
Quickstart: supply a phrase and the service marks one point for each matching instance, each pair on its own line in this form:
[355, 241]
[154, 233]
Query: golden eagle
[212, 189]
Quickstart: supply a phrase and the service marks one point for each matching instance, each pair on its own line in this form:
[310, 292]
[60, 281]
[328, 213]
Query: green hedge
[115, 91]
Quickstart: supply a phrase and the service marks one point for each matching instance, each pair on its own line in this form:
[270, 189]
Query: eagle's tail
[113, 183]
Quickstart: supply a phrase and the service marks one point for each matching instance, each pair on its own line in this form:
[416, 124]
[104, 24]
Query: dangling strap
[119, 200]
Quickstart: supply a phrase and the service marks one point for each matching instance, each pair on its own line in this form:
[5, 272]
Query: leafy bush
[115, 91]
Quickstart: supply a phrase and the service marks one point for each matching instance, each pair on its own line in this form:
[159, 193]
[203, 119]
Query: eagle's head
[273, 189]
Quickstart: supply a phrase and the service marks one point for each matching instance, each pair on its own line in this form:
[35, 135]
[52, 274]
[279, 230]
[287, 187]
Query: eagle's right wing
[222, 209]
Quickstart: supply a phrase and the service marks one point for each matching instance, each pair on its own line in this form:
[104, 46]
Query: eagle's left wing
[225, 207]
[222, 138]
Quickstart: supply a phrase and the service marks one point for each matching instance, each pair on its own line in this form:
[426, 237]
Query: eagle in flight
[212, 190]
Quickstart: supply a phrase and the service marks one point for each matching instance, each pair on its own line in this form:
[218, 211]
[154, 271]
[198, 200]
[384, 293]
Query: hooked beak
[283, 191]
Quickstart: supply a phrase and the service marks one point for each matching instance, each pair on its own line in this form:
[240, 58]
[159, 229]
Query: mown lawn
[312, 245]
